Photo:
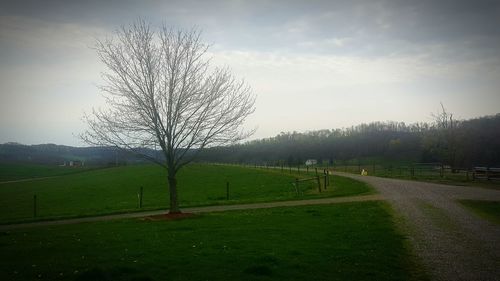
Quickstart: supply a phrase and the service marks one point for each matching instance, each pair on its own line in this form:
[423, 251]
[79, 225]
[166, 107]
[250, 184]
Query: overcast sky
[312, 64]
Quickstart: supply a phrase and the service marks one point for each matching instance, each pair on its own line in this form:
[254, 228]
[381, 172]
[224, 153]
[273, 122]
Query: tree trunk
[172, 187]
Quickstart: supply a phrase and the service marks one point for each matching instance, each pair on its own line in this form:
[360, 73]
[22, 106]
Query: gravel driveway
[452, 243]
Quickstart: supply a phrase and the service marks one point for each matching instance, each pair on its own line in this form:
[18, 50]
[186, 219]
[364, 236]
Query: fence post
[140, 198]
[34, 206]
[227, 190]
[298, 169]
[289, 168]
[319, 183]
[373, 169]
[324, 184]
[281, 168]
[316, 170]
[412, 171]
[328, 176]
[297, 186]
[441, 174]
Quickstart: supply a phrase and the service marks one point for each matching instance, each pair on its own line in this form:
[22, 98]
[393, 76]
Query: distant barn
[311, 162]
[75, 163]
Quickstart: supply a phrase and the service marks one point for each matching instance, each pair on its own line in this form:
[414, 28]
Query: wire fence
[43, 204]
[417, 171]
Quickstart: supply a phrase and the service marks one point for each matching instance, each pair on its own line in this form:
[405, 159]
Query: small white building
[311, 162]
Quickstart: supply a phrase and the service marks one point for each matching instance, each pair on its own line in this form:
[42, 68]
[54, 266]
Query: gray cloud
[339, 51]
[375, 27]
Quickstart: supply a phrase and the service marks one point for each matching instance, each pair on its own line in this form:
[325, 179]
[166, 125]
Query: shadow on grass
[114, 274]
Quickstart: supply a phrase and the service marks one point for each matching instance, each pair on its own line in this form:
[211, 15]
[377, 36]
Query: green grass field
[12, 172]
[116, 190]
[348, 241]
[489, 210]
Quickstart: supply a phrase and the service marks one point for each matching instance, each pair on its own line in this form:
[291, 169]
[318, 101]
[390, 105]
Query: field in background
[12, 172]
[116, 190]
[348, 241]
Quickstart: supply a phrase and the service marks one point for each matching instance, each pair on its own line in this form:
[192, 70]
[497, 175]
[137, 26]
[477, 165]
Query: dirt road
[452, 242]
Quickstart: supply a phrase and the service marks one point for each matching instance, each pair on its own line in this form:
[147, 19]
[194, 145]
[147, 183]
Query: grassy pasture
[348, 241]
[489, 210]
[116, 190]
[12, 172]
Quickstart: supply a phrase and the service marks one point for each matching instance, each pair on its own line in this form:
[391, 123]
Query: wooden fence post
[227, 190]
[34, 206]
[328, 176]
[140, 197]
[324, 184]
[297, 186]
[319, 183]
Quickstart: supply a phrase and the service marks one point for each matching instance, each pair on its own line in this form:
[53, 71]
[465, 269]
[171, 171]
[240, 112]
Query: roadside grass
[11, 172]
[489, 210]
[348, 241]
[438, 216]
[115, 190]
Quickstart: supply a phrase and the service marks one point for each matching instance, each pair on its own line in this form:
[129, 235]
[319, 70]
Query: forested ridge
[457, 143]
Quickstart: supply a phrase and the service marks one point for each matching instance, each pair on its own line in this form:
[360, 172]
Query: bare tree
[446, 138]
[161, 92]
[443, 119]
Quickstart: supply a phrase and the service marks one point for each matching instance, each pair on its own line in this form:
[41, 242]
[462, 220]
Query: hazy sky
[312, 64]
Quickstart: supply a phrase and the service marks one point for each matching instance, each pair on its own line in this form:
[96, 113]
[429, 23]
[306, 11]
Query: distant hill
[458, 143]
[59, 154]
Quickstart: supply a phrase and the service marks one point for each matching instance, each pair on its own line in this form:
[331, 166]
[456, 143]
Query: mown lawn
[116, 190]
[489, 210]
[348, 241]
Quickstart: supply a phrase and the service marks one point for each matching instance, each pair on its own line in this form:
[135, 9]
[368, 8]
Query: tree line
[457, 143]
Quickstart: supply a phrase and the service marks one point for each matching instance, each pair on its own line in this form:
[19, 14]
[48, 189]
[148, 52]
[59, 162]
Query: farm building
[311, 162]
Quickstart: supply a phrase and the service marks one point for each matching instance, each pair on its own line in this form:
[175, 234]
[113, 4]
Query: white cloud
[304, 92]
